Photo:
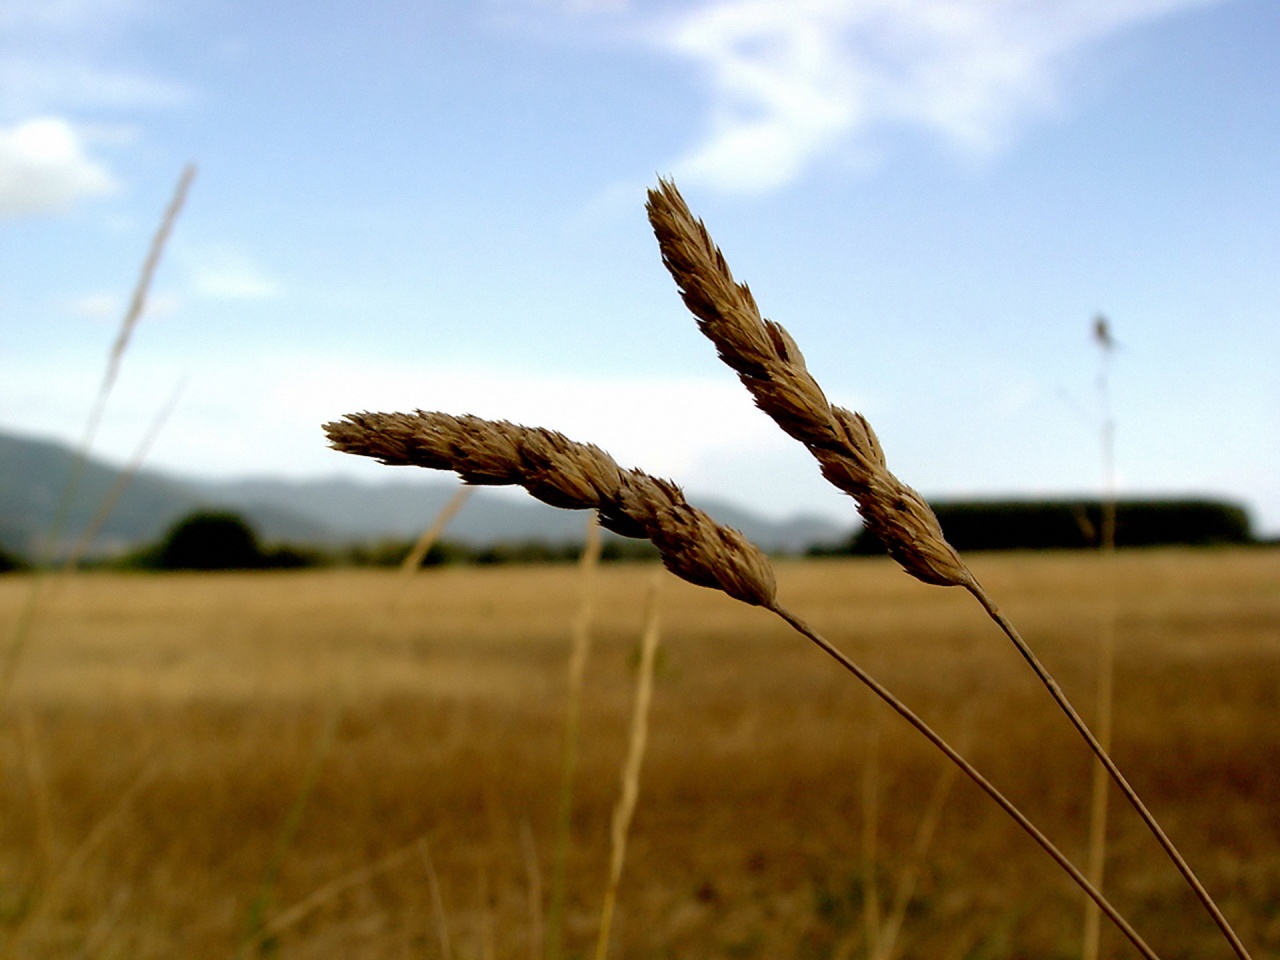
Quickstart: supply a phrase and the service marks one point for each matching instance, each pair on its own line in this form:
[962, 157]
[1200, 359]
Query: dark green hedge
[10, 562]
[217, 540]
[1075, 524]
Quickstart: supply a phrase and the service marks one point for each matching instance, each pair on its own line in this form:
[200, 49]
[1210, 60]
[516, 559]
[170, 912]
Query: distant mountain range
[333, 512]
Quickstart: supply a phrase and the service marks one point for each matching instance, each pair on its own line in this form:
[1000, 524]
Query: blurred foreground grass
[168, 720]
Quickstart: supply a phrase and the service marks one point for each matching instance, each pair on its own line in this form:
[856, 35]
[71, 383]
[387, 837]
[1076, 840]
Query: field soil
[339, 763]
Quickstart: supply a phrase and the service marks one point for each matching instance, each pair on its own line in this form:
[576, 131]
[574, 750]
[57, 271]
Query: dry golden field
[161, 729]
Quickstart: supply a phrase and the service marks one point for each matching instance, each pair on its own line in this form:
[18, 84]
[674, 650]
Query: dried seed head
[571, 475]
[771, 367]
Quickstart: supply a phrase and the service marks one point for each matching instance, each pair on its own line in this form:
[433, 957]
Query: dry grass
[771, 367]
[210, 691]
[573, 475]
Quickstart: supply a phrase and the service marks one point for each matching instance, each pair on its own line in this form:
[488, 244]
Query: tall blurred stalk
[48, 546]
[626, 807]
[1095, 867]
[573, 719]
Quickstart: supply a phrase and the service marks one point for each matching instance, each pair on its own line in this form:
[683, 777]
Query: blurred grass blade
[626, 807]
[48, 546]
[123, 479]
[573, 708]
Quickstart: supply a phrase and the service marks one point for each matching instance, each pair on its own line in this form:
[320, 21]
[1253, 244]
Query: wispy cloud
[228, 274]
[44, 168]
[60, 56]
[110, 306]
[60, 75]
[793, 81]
[35, 83]
[63, 14]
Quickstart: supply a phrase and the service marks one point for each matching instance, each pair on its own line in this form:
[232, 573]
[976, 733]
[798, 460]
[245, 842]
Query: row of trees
[211, 540]
[225, 541]
[1077, 525]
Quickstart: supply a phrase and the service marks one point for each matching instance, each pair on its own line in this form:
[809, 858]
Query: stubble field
[163, 728]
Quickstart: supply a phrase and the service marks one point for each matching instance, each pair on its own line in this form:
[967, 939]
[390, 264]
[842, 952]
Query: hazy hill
[399, 508]
[33, 474]
[324, 512]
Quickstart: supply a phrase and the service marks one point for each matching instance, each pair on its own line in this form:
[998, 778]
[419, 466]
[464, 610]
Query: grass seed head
[773, 370]
[571, 475]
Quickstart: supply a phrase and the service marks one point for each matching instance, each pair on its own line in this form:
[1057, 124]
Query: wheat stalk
[137, 303]
[632, 503]
[123, 479]
[771, 367]
[1095, 865]
[572, 475]
[578, 654]
[413, 559]
[626, 807]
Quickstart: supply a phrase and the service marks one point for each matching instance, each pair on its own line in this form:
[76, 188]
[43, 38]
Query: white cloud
[230, 275]
[666, 425]
[108, 306]
[31, 84]
[62, 57]
[794, 80]
[63, 14]
[44, 168]
[96, 306]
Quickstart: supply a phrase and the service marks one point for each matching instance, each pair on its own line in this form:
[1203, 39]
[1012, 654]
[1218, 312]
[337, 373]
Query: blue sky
[440, 204]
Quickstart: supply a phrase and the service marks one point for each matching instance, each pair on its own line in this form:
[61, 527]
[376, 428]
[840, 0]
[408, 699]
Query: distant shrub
[210, 541]
[10, 562]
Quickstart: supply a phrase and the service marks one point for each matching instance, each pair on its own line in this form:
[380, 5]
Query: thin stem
[261, 903]
[626, 807]
[971, 772]
[413, 560]
[48, 548]
[1061, 698]
[886, 946]
[1096, 864]
[870, 829]
[573, 719]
